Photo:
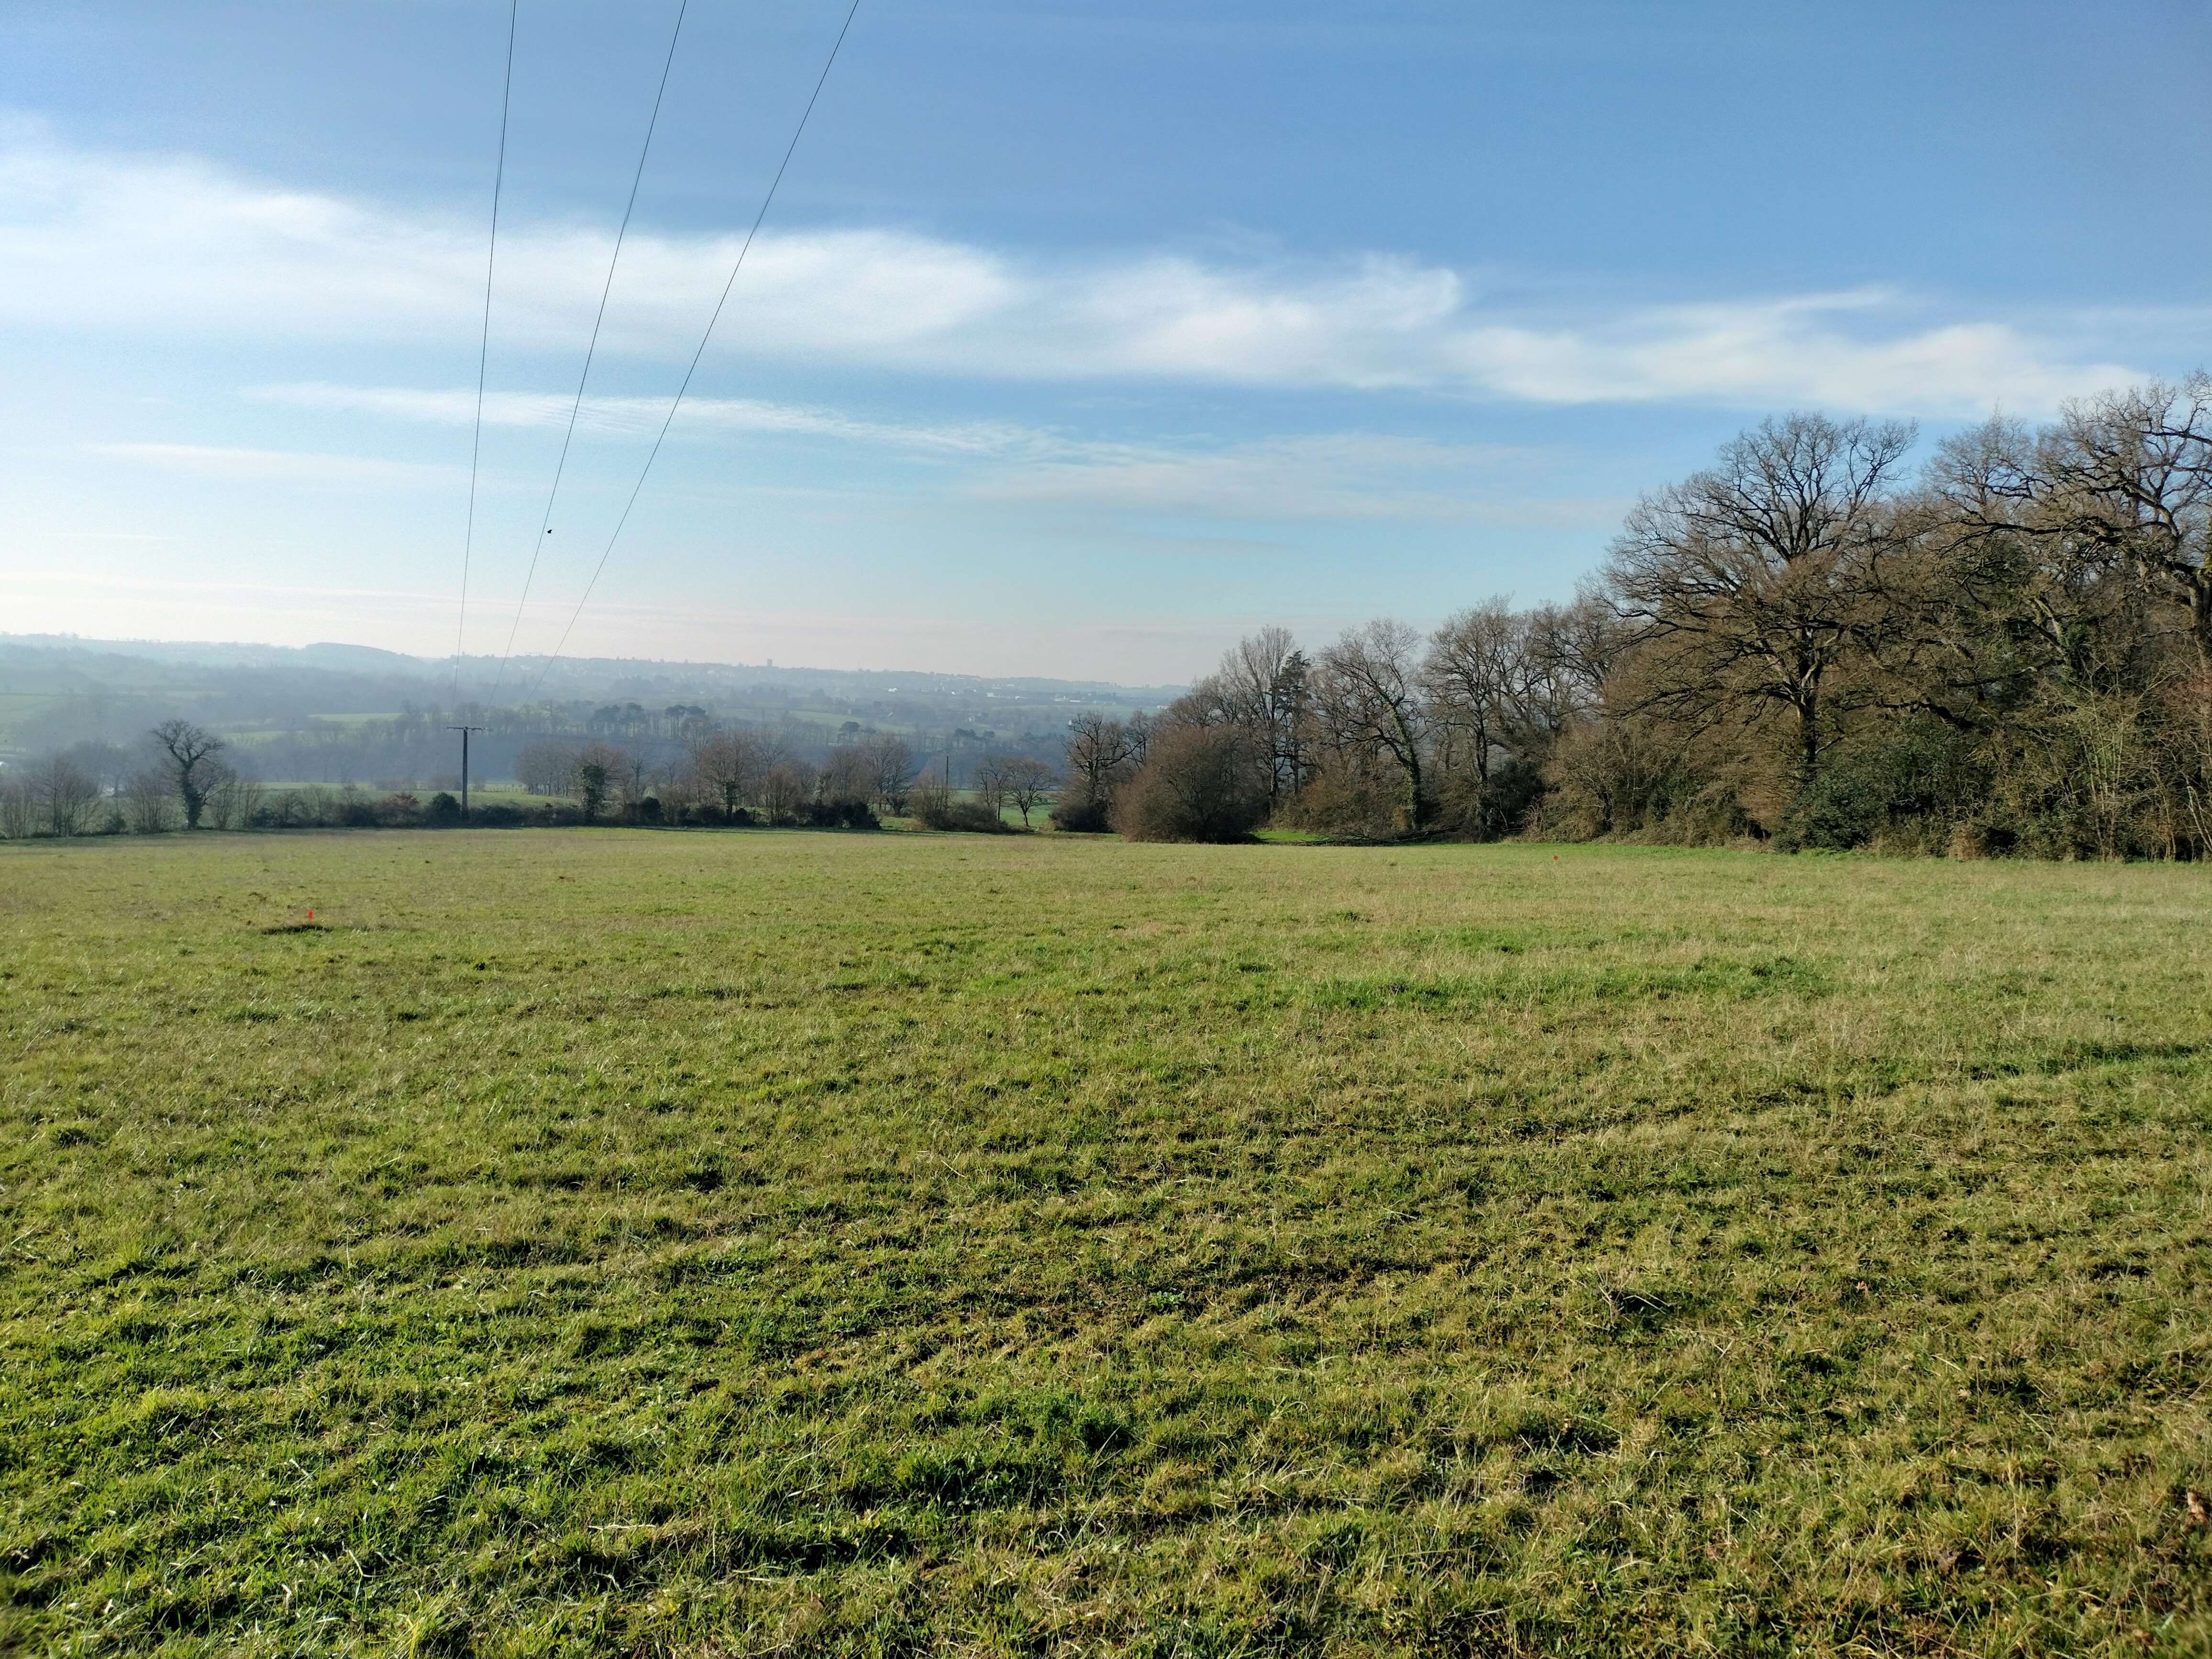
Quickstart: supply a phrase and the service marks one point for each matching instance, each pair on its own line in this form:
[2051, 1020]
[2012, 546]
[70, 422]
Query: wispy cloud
[275, 465]
[1341, 476]
[178, 245]
[1346, 476]
[641, 416]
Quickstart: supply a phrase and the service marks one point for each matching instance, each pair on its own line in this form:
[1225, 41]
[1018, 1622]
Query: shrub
[444, 808]
[1903, 783]
[1636, 779]
[1082, 815]
[1351, 795]
[841, 815]
[1491, 808]
[787, 792]
[591, 786]
[1198, 783]
[936, 809]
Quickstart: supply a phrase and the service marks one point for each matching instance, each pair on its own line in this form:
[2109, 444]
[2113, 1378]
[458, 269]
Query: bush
[1491, 808]
[1198, 783]
[1356, 796]
[1080, 815]
[444, 808]
[1904, 784]
[1631, 778]
[934, 809]
[841, 815]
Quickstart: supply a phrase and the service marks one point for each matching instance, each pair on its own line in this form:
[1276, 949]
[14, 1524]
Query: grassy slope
[601, 1241]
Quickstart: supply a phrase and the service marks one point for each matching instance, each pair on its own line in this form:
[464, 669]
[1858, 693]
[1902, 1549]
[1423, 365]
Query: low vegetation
[601, 1241]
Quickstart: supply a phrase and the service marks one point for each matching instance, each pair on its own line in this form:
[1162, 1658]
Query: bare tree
[109, 765]
[1100, 755]
[731, 766]
[2123, 479]
[1263, 686]
[63, 795]
[1979, 604]
[632, 778]
[1210, 701]
[1476, 680]
[19, 809]
[1139, 731]
[1573, 650]
[232, 799]
[1493, 716]
[788, 789]
[1748, 583]
[989, 780]
[146, 797]
[1027, 783]
[849, 779]
[894, 769]
[1368, 698]
[547, 767]
[191, 753]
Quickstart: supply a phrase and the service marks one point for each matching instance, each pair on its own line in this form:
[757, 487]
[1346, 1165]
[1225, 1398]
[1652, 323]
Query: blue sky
[1081, 339]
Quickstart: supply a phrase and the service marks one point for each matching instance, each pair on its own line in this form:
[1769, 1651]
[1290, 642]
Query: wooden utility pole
[464, 731]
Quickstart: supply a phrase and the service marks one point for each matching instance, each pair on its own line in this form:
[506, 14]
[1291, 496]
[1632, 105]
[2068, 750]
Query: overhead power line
[484, 346]
[739, 265]
[545, 528]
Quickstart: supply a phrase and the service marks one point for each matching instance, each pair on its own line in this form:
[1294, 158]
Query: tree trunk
[1414, 810]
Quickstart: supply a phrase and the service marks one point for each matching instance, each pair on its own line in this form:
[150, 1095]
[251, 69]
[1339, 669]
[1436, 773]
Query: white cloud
[641, 416]
[1798, 350]
[176, 246]
[1348, 475]
[1342, 476]
[274, 466]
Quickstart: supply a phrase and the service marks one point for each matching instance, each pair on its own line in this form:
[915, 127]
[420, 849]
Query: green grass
[719, 1243]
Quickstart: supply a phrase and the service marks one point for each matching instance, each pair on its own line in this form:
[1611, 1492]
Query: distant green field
[603, 1241]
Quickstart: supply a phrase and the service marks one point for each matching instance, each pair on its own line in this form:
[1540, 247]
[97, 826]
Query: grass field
[602, 1242]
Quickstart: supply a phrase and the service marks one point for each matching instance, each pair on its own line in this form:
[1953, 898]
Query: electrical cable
[484, 346]
[767, 201]
[545, 528]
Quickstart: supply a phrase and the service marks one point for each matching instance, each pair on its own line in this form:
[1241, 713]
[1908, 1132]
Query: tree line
[1810, 642]
[738, 774]
[180, 778]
